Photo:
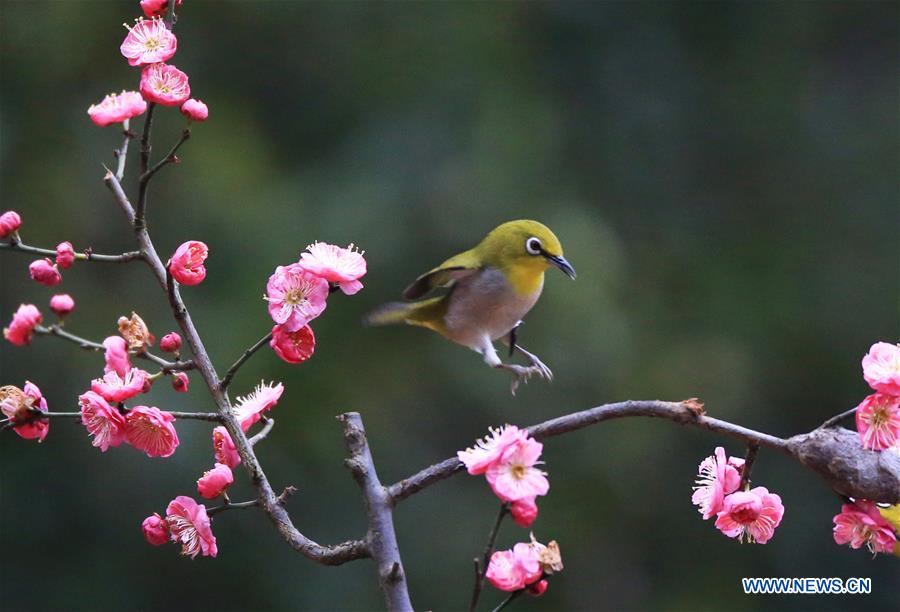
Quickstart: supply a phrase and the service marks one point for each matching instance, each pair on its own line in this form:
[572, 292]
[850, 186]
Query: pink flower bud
[65, 255]
[293, 347]
[524, 511]
[21, 328]
[10, 222]
[116, 108]
[44, 272]
[170, 343]
[538, 588]
[156, 530]
[215, 481]
[224, 448]
[62, 304]
[156, 8]
[180, 382]
[186, 265]
[195, 110]
[166, 85]
[116, 355]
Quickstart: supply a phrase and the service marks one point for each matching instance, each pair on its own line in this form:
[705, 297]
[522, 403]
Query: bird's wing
[455, 268]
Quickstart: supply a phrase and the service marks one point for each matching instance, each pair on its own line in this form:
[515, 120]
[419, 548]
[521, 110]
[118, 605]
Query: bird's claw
[524, 373]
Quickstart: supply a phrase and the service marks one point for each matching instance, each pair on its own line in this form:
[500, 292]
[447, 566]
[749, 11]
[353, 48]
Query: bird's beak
[560, 262]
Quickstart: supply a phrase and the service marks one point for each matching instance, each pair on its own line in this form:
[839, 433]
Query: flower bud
[156, 530]
[180, 382]
[170, 343]
[44, 272]
[10, 222]
[62, 304]
[195, 110]
[215, 481]
[538, 588]
[65, 255]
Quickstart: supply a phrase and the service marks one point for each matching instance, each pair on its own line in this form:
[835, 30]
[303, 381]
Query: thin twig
[508, 600]
[122, 152]
[253, 503]
[87, 255]
[37, 415]
[139, 220]
[838, 418]
[90, 345]
[170, 158]
[747, 469]
[229, 375]
[267, 427]
[486, 557]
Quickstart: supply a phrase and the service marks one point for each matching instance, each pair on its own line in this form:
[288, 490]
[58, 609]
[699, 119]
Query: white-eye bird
[491, 287]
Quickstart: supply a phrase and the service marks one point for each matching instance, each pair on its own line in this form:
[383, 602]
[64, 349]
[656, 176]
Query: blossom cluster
[750, 515]
[878, 416]
[186, 523]
[45, 271]
[524, 566]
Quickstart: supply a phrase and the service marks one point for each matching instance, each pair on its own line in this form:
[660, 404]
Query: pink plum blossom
[115, 388]
[164, 84]
[21, 328]
[116, 356]
[116, 108]
[751, 515]
[151, 430]
[65, 255]
[515, 476]
[170, 343]
[102, 421]
[248, 409]
[186, 265]
[296, 296]
[180, 382]
[62, 304]
[717, 478]
[189, 526]
[524, 511]
[156, 530]
[224, 448]
[511, 570]
[195, 110]
[10, 222]
[881, 367]
[215, 481]
[148, 42]
[878, 421]
[861, 524]
[18, 405]
[489, 449]
[156, 8]
[336, 265]
[293, 347]
[44, 272]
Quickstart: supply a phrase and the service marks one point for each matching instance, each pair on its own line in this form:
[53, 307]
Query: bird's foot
[524, 373]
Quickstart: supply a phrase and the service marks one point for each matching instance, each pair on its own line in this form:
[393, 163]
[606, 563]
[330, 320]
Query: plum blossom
[149, 41]
[336, 265]
[515, 476]
[881, 367]
[248, 409]
[195, 110]
[44, 272]
[224, 449]
[878, 421]
[861, 524]
[293, 347]
[18, 405]
[115, 388]
[215, 481]
[489, 449]
[180, 382]
[156, 8]
[65, 255]
[116, 108]
[189, 526]
[186, 265]
[524, 511]
[62, 304]
[151, 430]
[512, 570]
[135, 332]
[164, 84]
[102, 421]
[116, 356]
[10, 222]
[156, 530]
[296, 296]
[717, 478]
[538, 588]
[751, 515]
[21, 328]
[170, 343]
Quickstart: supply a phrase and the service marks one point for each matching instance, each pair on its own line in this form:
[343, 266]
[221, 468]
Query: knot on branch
[837, 455]
[393, 574]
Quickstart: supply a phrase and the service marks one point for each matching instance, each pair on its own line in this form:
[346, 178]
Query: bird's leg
[512, 338]
[542, 368]
[520, 373]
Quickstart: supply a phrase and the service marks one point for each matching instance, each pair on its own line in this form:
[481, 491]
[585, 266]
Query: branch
[226, 380]
[36, 415]
[270, 423]
[122, 152]
[138, 220]
[87, 255]
[486, 557]
[253, 503]
[170, 158]
[381, 537]
[165, 366]
[838, 418]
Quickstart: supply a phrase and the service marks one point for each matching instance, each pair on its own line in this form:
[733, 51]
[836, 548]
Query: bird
[489, 290]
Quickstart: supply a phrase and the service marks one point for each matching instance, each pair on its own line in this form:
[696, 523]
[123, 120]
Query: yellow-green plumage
[489, 289]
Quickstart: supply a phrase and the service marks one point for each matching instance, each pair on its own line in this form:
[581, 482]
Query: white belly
[485, 304]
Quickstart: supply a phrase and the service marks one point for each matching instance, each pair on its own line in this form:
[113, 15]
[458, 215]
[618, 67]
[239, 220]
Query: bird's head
[524, 244]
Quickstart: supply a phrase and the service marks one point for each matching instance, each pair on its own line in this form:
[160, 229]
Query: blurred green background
[722, 175]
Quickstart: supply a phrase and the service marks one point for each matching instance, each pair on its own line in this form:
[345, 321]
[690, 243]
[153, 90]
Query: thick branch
[229, 375]
[138, 220]
[381, 537]
[165, 366]
[87, 255]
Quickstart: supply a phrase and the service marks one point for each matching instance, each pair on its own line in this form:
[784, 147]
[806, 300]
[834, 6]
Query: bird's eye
[533, 246]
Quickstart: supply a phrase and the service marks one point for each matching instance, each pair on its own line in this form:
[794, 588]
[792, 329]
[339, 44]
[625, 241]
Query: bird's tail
[426, 313]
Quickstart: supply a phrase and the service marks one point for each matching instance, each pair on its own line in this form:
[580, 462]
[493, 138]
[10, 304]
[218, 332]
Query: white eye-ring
[533, 246]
